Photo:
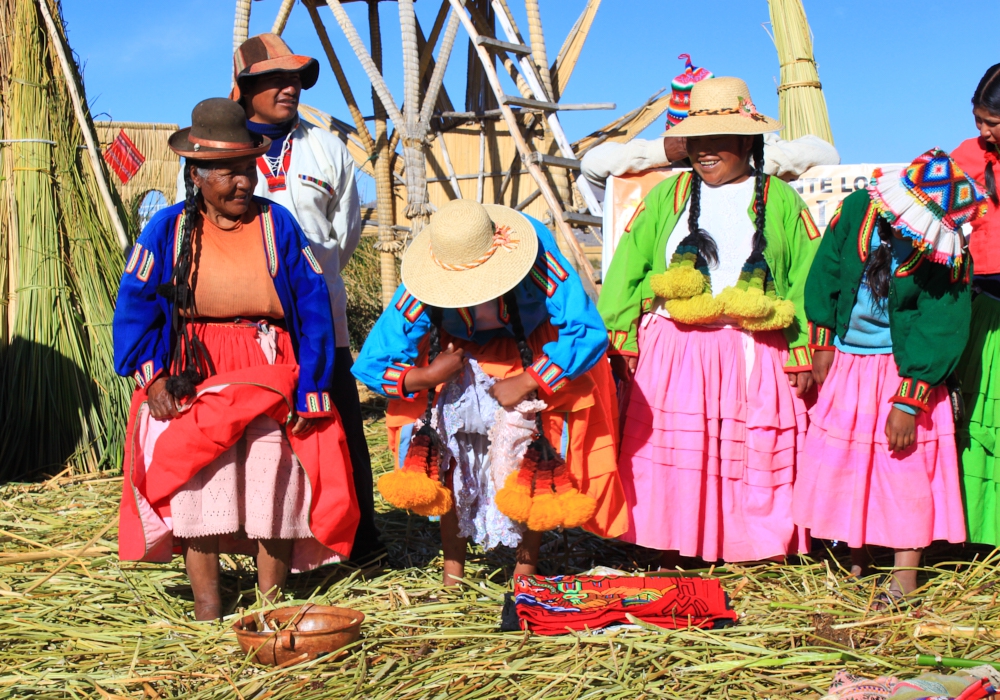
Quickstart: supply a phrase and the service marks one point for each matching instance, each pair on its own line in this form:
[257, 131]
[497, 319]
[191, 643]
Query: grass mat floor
[88, 626]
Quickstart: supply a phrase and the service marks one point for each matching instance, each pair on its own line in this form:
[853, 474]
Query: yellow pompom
[782, 315]
[577, 508]
[698, 310]
[546, 513]
[441, 504]
[514, 499]
[745, 303]
[678, 282]
[407, 490]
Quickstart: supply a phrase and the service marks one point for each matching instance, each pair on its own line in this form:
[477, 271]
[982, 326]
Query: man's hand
[513, 390]
[900, 430]
[802, 381]
[445, 368]
[623, 366]
[162, 404]
[822, 360]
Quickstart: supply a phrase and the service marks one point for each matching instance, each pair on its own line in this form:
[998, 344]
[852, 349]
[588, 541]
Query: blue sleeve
[317, 342]
[393, 346]
[583, 339]
[141, 327]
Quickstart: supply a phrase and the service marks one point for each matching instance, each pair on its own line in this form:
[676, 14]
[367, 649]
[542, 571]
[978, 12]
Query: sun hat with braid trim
[722, 106]
[469, 254]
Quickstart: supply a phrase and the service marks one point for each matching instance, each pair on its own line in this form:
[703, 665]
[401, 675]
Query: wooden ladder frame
[587, 274]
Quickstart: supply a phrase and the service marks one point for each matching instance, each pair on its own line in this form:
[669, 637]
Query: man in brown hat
[309, 171]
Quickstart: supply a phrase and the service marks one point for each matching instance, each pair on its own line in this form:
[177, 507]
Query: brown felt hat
[218, 131]
[268, 53]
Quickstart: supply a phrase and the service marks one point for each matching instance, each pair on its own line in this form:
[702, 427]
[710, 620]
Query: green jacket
[792, 240]
[929, 304]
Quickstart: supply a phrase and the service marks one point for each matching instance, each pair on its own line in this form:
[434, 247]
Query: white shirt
[724, 216]
[321, 194]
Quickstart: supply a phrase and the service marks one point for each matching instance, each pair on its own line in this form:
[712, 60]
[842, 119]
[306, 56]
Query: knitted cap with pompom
[680, 98]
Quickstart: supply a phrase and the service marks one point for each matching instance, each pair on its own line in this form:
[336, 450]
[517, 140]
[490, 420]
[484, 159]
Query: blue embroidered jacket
[144, 339]
[551, 291]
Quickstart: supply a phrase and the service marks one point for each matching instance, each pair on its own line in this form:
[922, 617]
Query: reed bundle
[103, 629]
[800, 94]
[59, 266]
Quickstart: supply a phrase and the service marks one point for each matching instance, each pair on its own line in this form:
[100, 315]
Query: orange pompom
[577, 508]
[442, 503]
[514, 499]
[546, 513]
[408, 489]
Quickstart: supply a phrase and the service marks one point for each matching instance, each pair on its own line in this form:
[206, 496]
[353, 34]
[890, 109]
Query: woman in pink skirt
[889, 311]
[703, 302]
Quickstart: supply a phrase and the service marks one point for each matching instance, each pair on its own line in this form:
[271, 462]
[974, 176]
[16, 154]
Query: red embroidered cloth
[123, 157]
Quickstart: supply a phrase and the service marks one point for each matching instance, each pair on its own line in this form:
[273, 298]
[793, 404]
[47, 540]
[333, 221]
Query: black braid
[434, 336]
[697, 236]
[760, 187]
[527, 356]
[991, 184]
[879, 265]
[189, 361]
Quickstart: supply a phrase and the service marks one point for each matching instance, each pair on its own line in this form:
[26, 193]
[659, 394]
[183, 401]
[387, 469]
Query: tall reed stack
[61, 404]
[800, 94]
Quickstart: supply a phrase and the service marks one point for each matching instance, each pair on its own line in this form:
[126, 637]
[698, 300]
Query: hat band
[745, 109]
[227, 145]
[502, 238]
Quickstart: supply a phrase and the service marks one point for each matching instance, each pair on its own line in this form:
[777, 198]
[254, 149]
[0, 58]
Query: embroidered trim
[767, 191]
[635, 214]
[403, 300]
[811, 229]
[836, 215]
[820, 337]
[912, 392]
[144, 375]
[393, 378]
[319, 183]
[542, 280]
[912, 264]
[270, 248]
[502, 313]
[133, 259]
[178, 229]
[146, 268]
[318, 402]
[467, 319]
[555, 268]
[801, 357]
[413, 313]
[865, 235]
[617, 339]
[682, 191]
[276, 180]
[311, 259]
[550, 376]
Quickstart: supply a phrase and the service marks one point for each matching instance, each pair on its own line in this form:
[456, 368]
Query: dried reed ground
[98, 628]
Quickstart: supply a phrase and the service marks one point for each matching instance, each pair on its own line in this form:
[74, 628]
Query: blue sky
[897, 74]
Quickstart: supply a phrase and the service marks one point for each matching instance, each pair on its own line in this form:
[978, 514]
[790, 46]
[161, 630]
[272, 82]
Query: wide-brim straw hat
[469, 254]
[722, 106]
[268, 53]
[218, 131]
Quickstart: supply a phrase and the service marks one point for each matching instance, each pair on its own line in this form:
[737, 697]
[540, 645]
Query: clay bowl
[297, 633]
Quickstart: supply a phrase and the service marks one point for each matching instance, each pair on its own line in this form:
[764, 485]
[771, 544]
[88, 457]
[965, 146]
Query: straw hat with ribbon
[218, 131]
[928, 202]
[469, 254]
[722, 106]
[268, 53]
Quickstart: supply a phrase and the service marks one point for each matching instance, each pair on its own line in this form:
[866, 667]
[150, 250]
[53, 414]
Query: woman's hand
[623, 366]
[822, 359]
[511, 391]
[302, 426]
[446, 367]
[802, 381]
[162, 404]
[900, 430]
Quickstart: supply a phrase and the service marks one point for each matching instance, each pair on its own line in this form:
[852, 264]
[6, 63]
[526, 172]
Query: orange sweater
[231, 277]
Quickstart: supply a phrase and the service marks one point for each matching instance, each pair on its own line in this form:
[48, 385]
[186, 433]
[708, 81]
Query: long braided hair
[987, 96]
[701, 239]
[434, 338]
[190, 363]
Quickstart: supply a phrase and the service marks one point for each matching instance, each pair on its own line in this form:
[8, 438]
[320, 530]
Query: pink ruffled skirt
[711, 437]
[851, 488]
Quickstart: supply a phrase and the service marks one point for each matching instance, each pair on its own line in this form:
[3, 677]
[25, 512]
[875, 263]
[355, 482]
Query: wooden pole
[96, 161]
[279, 22]
[562, 67]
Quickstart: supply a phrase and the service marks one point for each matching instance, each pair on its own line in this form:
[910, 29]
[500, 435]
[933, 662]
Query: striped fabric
[123, 157]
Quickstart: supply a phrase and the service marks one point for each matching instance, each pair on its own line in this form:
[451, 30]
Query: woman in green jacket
[888, 305]
[714, 416]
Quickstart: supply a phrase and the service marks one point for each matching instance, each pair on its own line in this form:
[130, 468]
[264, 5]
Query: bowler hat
[218, 131]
